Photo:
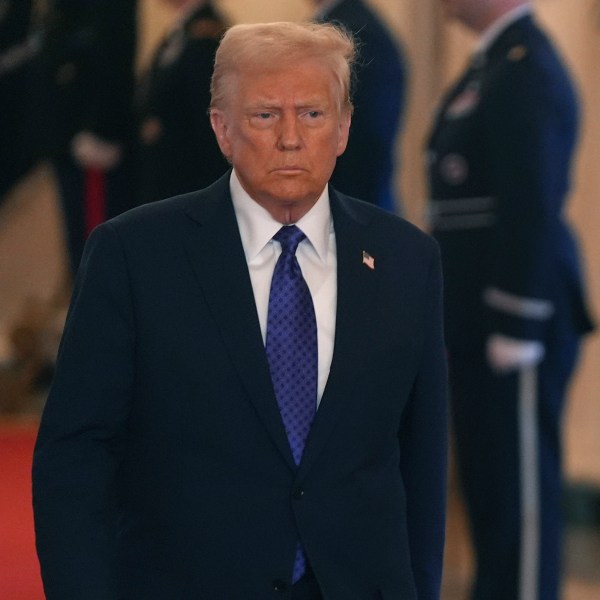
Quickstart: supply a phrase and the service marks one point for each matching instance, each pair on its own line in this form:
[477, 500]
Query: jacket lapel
[357, 289]
[215, 250]
[216, 253]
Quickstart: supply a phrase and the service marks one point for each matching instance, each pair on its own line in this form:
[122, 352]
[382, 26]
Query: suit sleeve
[423, 440]
[82, 432]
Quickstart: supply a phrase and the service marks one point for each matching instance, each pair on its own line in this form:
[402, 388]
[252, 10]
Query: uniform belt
[462, 213]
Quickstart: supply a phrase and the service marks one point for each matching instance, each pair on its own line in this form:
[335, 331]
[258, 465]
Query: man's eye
[313, 114]
[262, 119]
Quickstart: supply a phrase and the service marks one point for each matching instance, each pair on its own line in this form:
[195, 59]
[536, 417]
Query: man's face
[282, 130]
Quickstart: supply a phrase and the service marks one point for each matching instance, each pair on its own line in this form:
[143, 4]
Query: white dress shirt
[316, 256]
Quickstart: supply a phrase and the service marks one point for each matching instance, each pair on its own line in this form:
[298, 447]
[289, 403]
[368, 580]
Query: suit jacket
[162, 468]
[367, 167]
[499, 168]
[176, 149]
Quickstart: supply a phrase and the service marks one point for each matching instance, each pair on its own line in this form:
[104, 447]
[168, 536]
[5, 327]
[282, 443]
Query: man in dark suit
[366, 170]
[174, 457]
[176, 150]
[499, 165]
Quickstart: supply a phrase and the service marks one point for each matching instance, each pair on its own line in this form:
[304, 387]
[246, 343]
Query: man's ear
[344, 132]
[218, 123]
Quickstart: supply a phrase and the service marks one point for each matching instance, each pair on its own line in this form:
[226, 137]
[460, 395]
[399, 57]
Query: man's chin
[289, 203]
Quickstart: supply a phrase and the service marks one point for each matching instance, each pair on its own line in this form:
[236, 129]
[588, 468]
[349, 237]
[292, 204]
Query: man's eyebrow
[313, 106]
[264, 102]
[266, 107]
[304, 103]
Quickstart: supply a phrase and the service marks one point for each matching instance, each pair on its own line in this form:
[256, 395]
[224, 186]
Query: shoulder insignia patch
[206, 29]
[517, 53]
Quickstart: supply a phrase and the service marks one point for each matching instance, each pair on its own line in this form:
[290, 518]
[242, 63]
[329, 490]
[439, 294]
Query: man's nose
[290, 134]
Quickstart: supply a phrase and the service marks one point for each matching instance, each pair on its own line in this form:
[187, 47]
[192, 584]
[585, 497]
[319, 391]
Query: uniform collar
[493, 32]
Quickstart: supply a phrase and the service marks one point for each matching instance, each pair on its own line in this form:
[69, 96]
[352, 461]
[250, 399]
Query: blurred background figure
[367, 168]
[71, 108]
[17, 47]
[499, 168]
[79, 112]
[176, 149]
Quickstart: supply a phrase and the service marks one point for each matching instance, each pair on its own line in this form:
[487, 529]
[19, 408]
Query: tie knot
[289, 236]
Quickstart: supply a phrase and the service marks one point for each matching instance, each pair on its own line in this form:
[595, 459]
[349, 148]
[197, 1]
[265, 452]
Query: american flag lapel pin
[368, 260]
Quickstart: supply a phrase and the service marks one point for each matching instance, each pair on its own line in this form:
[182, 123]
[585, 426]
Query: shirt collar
[257, 226]
[492, 33]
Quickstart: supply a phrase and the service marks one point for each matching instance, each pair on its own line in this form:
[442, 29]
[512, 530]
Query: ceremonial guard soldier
[176, 149]
[366, 169]
[80, 92]
[499, 167]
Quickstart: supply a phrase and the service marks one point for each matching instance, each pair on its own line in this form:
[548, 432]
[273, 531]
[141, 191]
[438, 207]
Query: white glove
[90, 151]
[506, 354]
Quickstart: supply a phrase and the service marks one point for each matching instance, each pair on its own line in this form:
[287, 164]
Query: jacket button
[279, 585]
[298, 494]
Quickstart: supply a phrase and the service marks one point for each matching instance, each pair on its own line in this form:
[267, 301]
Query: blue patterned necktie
[292, 350]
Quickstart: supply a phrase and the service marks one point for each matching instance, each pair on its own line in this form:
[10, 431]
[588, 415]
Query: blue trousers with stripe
[507, 434]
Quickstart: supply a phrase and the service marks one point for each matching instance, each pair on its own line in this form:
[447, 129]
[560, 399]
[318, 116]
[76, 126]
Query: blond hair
[268, 46]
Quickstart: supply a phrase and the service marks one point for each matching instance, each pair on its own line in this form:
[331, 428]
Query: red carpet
[19, 571]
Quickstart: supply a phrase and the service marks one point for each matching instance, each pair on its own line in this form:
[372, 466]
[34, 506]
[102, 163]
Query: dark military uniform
[16, 49]
[83, 79]
[366, 169]
[176, 149]
[499, 161]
